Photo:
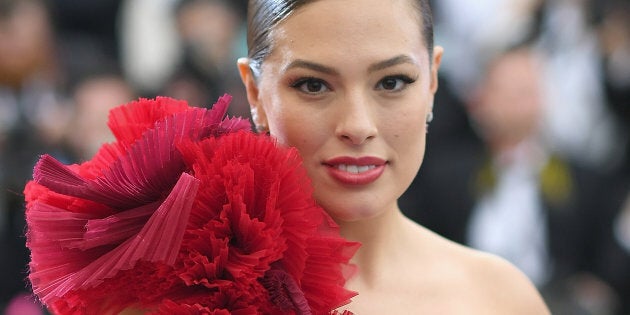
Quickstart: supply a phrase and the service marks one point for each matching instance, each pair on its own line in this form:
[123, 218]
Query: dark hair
[264, 15]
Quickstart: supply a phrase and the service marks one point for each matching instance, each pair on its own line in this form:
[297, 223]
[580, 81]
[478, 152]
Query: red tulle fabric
[186, 213]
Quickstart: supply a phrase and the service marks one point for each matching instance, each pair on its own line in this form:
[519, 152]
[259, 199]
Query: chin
[349, 212]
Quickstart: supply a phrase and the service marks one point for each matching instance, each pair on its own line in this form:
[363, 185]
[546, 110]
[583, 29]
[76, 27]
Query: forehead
[330, 28]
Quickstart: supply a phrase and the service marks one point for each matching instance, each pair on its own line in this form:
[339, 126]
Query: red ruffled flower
[186, 213]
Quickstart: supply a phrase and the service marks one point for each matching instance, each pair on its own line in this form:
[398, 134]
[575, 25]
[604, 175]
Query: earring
[260, 127]
[254, 112]
[429, 120]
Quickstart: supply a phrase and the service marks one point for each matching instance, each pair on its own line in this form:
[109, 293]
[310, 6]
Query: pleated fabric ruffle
[187, 212]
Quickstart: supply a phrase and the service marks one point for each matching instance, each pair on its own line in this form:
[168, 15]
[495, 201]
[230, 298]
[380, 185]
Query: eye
[310, 86]
[394, 83]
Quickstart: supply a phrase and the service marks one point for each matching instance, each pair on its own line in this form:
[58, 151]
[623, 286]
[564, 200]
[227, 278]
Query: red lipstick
[355, 171]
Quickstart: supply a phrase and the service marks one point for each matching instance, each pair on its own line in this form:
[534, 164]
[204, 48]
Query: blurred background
[528, 155]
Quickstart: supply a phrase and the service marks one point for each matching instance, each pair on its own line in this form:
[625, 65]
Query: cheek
[407, 135]
[292, 124]
[292, 128]
[407, 140]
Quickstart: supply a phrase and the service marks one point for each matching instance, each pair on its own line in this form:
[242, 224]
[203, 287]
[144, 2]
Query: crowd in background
[528, 155]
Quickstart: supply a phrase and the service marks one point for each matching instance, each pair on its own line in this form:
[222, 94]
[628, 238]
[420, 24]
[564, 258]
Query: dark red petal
[129, 122]
[158, 241]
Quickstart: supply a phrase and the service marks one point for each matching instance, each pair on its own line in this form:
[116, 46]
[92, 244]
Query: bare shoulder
[508, 286]
[424, 273]
[484, 281]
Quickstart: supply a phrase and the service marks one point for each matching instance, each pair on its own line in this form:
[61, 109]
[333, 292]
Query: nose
[356, 121]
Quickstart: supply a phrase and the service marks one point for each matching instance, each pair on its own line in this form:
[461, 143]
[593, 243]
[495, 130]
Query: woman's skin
[350, 82]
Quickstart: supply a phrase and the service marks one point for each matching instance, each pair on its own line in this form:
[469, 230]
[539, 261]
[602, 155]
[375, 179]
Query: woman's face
[509, 104]
[348, 83]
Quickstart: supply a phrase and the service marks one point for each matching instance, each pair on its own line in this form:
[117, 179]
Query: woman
[350, 84]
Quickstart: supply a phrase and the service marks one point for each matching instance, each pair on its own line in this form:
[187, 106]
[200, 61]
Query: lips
[355, 171]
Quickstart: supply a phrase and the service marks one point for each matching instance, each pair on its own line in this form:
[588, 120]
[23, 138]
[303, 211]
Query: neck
[527, 151]
[381, 239]
[498, 146]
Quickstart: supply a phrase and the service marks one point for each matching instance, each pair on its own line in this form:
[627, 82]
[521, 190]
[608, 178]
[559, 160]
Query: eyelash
[404, 78]
[299, 83]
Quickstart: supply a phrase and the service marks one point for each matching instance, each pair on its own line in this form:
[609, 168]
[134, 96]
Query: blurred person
[93, 98]
[512, 195]
[183, 49]
[29, 75]
[613, 30]
[33, 115]
[475, 31]
[506, 115]
[93, 22]
[574, 83]
[150, 48]
[532, 203]
[209, 32]
[614, 41]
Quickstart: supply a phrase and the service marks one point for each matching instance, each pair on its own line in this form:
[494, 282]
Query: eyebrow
[400, 59]
[300, 63]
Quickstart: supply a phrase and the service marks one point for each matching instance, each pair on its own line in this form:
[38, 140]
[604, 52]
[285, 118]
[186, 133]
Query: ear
[253, 95]
[438, 51]
[248, 80]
